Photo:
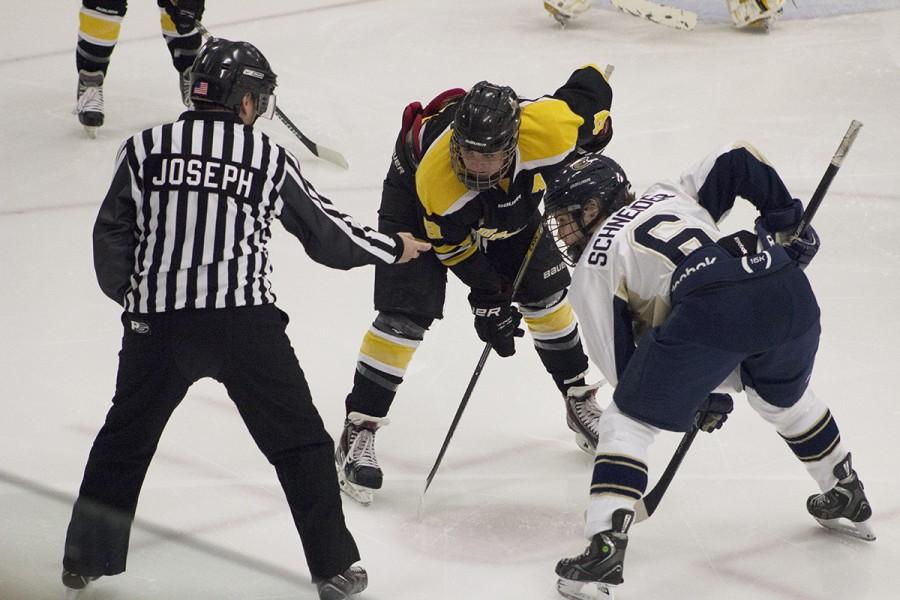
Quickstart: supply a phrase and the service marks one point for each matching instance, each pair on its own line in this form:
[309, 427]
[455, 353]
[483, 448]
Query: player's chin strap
[332, 156]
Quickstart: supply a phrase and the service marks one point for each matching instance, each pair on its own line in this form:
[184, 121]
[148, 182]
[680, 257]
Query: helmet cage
[487, 122]
[477, 181]
[593, 181]
[569, 231]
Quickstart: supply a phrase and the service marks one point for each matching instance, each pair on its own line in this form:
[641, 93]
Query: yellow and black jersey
[455, 218]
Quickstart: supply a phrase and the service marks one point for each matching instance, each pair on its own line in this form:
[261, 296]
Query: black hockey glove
[782, 223]
[496, 321]
[185, 14]
[714, 412]
[803, 249]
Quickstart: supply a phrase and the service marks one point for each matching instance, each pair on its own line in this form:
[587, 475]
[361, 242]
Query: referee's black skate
[75, 584]
[352, 581]
[357, 466]
[592, 574]
[583, 415]
[844, 508]
[89, 101]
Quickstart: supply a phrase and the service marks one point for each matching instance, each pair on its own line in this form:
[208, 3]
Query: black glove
[496, 320]
[714, 412]
[185, 14]
[802, 249]
[782, 223]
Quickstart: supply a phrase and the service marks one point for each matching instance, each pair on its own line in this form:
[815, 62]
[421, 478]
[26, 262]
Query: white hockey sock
[809, 430]
[620, 468]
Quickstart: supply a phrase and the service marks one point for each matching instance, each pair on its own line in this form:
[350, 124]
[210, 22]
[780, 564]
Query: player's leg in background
[408, 298]
[553, 327]
[777, 388]
[183, 47]
[99, 22]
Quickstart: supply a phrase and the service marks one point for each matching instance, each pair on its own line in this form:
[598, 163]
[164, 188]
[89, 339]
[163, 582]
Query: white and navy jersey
[187, 219]
[620, 286]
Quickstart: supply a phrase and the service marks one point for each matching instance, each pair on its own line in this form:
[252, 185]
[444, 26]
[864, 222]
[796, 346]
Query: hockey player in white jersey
[655, 286]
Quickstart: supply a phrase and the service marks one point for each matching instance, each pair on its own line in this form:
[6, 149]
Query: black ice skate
[350, 582]
[844, 507]
[583, 415]
[75, 584]
[89, 102]
[592, 574]
[357, 465]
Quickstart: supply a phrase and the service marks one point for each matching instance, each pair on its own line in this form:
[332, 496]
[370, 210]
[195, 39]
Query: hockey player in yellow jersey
[468, 173]
[99, 23]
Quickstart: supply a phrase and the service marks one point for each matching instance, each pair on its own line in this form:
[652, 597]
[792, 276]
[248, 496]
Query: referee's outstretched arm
[333, 238]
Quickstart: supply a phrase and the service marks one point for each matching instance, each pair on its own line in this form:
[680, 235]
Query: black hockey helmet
[487, 122]
[225, 71]
[580, 196]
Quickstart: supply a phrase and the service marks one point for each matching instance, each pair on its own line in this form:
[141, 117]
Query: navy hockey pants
[768, 326]
[248, 351]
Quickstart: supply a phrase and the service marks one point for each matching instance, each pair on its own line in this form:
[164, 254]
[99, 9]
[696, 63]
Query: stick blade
[332, 156]
[640, 511]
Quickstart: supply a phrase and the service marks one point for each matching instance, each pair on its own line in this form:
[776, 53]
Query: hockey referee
[181, 241]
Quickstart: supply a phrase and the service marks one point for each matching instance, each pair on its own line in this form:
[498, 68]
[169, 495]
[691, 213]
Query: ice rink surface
[508, 500]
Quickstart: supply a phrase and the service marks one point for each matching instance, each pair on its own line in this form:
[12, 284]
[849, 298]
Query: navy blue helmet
[579, 197]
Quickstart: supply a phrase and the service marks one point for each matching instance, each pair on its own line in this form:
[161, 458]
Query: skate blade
[584, 590]
[72, 594]
[584, 444]
[361, 494]
[861, 530]
[91, 131]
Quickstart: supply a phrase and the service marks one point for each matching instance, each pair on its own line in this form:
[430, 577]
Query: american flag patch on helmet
[201, 88]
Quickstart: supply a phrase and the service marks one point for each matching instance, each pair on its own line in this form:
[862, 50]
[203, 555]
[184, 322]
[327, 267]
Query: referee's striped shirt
[187, 219]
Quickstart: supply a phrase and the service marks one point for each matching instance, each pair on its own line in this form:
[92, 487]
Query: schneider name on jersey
[622, 297]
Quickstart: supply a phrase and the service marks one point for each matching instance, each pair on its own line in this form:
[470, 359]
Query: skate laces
[583, 401]
[361, 445]
[90, 99]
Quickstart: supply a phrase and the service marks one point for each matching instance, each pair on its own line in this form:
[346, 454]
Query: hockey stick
[660, 14]
[647, 505]
[484, 356]
[836, 161]
[607, 73]
[332, 156]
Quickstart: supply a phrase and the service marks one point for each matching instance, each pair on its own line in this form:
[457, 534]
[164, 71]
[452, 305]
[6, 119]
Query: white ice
[508, 500]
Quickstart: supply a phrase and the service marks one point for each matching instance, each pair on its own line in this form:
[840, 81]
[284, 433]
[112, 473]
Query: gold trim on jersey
[453, 254]
[548, 133]
[98, 28]
[752, 150]
[440, 190]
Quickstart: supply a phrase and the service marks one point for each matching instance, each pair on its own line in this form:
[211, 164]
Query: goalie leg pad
[754, 12]
[566, 10]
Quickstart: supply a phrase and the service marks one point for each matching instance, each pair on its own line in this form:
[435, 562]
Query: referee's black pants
[248, 351]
